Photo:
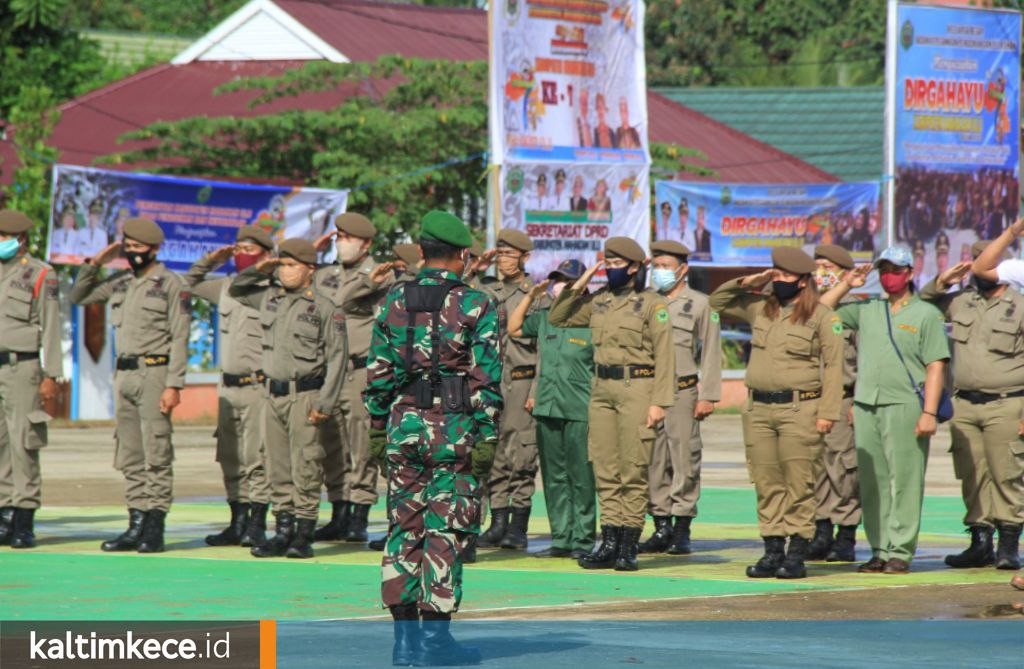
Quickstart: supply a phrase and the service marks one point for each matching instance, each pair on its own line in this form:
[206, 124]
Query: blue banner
[90, 206]
[957, 130]
[739, 224]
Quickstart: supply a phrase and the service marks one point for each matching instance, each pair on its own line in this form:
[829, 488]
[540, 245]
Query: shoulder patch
[837, 327]
[661, 314]
[715, 317]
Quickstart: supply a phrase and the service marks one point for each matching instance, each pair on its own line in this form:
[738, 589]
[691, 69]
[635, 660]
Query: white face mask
[349, 250]
[556, 288]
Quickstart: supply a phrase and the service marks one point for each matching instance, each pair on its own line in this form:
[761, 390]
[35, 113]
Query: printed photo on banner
[569, 210]
[567, 81]
[89, 208]
[739, 224]
[957, 131]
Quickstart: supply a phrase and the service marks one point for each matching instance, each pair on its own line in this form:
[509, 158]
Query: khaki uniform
[29, 323]
[783, 447]
[240, 392]
[675, 461]
[304, 343]
[988, 364]
[349, 473]
[150, 315]
[513, 477]
[631, 333]
[837, 491]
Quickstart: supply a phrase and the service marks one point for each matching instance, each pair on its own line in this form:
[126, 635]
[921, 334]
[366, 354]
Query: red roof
[363, 30]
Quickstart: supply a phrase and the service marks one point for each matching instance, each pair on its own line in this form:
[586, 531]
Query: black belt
[359, 362]
[134, 361]
[625, 372]
[684, 382]
[239, 380]
[977, 397]
[11, 357]
[783, 396]
[282, 388]
[848, 392]
[523, 372]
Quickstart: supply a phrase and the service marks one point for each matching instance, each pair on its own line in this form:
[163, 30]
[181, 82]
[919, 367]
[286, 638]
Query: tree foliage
[34, 116]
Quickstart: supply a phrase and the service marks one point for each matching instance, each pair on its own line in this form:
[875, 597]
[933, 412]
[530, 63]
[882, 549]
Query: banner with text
[570, 210]
[739, 224]
[957, 130]
[567, 81]
[89, 207]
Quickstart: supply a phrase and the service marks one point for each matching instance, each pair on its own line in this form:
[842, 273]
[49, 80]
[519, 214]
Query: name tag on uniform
[908, 328]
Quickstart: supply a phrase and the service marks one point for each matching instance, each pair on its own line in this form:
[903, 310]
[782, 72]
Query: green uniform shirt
[919, 332]
[566, 368]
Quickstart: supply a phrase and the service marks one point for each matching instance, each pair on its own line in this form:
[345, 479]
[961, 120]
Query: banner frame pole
[889, 166]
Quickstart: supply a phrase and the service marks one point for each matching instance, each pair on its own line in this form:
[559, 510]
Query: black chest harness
[453, 390]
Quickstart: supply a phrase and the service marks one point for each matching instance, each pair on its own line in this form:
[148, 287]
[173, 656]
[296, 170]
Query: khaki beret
[14, 222]
[517, 239]
[980, 245]
[299, 249]
[476, 250]
[834, 253]
[143, 230]
[356, 225]
[624, 247]
[669, 247]
[445, 227]
[407, 253]
[793, 260]
[257, 235]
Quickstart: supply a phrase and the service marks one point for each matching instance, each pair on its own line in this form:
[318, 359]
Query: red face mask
[894, 282]
[246, 260]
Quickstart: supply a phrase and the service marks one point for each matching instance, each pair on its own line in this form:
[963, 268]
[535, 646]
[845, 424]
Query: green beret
[444, 227]
[407, 253]
[793, 260]
[517, 239]
[669, 247]
[356, 225]
[624, 247]
[14, 222]
[143, 230]
[299, 249]
[834, 253]
[257, 235]
[980, 245]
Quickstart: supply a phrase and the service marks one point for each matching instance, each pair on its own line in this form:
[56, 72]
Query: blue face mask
[9, 247]
[663, 279]
[618, 277]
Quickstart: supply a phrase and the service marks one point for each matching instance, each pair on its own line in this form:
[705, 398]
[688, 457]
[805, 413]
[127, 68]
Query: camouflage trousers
[433, 509]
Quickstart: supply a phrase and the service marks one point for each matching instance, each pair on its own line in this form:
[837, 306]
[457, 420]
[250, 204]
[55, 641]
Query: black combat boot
[437, 646]
[822, 542]
[606, 553]
[468, 554]
[277, 546]
[377, 544]
[843, 547]
[629, 541]
[301, 545]
[979, 553]
[774, 554]
[22, 530]
[496, 532]
[358, 520]
[662, 537]
[256, 529]
[233, 533]
[337, 527]
[407, 635]
[152, 540]
[1007, 556]
[6, 523]
[680, 536]
[793, 565]
[129, 539]
[515, 538]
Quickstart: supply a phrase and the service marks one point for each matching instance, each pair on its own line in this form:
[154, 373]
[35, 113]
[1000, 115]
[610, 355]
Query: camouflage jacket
[469, 324]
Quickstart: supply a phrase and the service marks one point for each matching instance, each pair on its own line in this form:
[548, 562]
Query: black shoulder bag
[944, 411]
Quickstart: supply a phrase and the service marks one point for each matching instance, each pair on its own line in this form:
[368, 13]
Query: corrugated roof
[838, 129]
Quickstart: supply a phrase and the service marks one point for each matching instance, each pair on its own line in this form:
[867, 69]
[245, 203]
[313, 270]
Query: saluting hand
[379, 274]
[221, 255]
[823, 426]
[538, 288]
[858, 276]
[757, 280]
[169, 399]
[703, 409]
[954, 274]
[268, 265]
[109, 252]
[587, 276]
[323, 242]
[1017, 228]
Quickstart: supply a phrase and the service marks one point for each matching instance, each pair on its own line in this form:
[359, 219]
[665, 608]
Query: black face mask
[139, 261]
[984, 285]
[785, 290]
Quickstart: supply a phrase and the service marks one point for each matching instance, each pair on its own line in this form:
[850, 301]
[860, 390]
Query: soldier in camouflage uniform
[29, 323]
[433, 395]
